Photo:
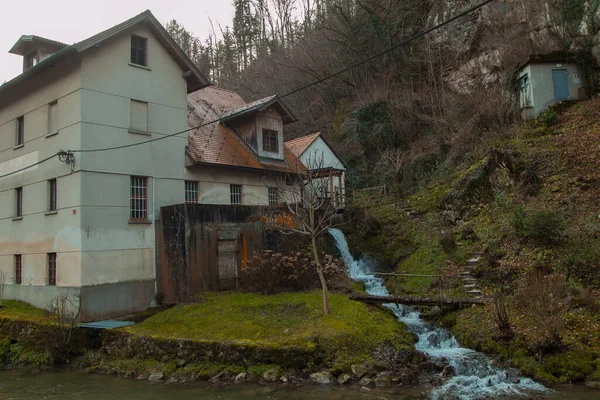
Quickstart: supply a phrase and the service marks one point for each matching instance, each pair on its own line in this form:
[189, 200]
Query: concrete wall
[214, 184]
[118, 251]
[542, 85]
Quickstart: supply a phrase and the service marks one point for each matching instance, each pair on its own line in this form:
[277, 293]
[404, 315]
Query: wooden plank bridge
[447, 302]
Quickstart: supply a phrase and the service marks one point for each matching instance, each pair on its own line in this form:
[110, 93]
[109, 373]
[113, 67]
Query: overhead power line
[326, 78]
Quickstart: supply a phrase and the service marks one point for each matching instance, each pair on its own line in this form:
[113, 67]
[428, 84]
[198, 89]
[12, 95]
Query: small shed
[544, 80]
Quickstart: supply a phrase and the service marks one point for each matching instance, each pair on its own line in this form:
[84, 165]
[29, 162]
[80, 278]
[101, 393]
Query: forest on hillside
[410, 113]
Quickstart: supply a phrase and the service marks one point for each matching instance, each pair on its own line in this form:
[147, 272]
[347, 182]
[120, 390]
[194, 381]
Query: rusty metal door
[228, 265]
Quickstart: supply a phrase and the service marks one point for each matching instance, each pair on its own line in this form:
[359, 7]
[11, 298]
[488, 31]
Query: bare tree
[2, 282]
[66, 310]
[308, 206]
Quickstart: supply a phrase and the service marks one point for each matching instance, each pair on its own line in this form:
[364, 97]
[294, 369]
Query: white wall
[38, 232]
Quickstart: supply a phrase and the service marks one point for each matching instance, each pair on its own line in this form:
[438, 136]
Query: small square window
[139, 50]
[273, 196]
[52, 269]
[18, 268]
[20, 130]
[236, 194]
[19, 202]
[52, 195]
[270, 141]
[191, 192]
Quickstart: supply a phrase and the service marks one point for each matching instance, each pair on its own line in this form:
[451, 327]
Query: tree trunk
[321, 276]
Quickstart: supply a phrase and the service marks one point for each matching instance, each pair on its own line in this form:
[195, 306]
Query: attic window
[31, 59]
[139, 50]
[270, 141]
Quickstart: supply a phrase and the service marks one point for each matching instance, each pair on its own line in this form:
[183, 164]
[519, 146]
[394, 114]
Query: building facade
[118, 107]
[319, 157]
[85, 226]
[544, 81]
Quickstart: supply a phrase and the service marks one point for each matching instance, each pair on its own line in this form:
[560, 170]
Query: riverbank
[229, 337]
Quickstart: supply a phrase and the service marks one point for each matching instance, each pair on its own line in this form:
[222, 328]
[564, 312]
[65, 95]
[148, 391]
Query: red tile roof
[217, 144]
[298, 145]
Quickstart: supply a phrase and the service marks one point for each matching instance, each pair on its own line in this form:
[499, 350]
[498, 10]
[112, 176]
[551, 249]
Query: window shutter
[139, 116]
[53, 117]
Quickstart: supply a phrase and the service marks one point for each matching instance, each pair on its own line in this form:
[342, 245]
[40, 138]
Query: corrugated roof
[299, 145]
[163, 36]
[216, 144]
[106, 324]
[24, 39]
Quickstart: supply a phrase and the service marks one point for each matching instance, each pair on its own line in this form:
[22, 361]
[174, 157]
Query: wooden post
[331, 193]
[341, 191]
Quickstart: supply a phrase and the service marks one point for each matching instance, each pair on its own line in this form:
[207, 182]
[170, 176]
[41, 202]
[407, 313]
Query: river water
[77, 385]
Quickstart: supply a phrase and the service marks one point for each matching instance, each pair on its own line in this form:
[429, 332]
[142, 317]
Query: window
[139, 116]
[236, 194]
[18, 269]
[20, 131]
[52, 269]
[270, 141]
[53, 117]
[191, 192]
[19, 202]
[273, 196]
[139, 198]
[524, 95]
[31, 60]
[138, 50]
[52, 195]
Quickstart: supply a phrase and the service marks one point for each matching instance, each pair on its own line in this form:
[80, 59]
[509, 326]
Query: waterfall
[476, 377]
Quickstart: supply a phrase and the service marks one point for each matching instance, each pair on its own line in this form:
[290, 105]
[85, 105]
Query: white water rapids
[476, 377]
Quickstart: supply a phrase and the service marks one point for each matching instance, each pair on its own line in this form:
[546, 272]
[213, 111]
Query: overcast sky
[70, 21]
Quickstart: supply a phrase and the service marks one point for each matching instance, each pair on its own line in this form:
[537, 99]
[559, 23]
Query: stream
[476, 377]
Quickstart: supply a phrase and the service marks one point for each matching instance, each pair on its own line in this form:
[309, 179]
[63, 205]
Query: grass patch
[15, 309]
[348, 334]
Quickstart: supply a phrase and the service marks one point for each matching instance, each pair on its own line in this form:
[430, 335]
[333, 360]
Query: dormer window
[139, 50]
[270, 141]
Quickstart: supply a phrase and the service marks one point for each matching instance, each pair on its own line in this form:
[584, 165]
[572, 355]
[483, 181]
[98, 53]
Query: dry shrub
[269, 272]
[543, 302]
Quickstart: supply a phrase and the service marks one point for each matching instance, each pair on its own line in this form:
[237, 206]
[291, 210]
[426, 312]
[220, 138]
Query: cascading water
[476, 377]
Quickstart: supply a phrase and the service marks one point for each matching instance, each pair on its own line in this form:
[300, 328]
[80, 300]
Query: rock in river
[324, 378]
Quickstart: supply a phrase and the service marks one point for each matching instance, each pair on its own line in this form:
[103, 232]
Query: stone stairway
[470, 283]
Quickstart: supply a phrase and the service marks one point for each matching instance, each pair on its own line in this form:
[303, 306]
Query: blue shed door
[561, 84]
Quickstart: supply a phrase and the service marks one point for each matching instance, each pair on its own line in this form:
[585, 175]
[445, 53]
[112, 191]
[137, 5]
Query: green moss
[427, 260]
[5, 343]
[25, 356]
[351, 331]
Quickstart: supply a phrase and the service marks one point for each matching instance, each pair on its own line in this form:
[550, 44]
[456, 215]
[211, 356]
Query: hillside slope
[532, 206]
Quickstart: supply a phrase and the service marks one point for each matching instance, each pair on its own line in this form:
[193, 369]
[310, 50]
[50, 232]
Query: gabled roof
[299, 145]
[217, 144]
[195, 78]
[260, 105]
